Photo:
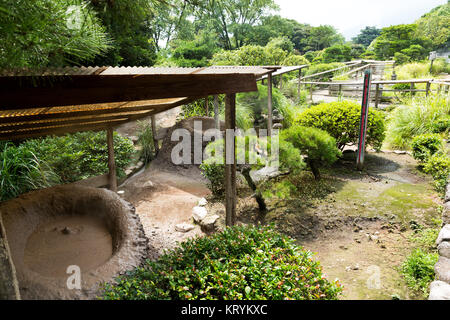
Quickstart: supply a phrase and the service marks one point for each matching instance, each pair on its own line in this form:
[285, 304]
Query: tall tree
[49, 33]
[322, 37]
[435, 26]
[367, 35]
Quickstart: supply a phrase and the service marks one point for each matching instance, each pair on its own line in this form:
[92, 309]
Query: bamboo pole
[230, 159]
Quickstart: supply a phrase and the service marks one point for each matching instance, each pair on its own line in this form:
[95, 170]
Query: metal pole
[363, 121]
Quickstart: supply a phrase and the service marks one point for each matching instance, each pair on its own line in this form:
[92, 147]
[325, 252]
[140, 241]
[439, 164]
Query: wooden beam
[112, 179]
[230, 154]
[269, 104]
[23, 93]
[216, 112]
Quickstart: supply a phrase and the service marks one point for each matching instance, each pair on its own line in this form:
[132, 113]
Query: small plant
[146, 142]
[418, 270]
[341, 120]
[240, 263]
[426, 145]
[438, 166]
[317, 145]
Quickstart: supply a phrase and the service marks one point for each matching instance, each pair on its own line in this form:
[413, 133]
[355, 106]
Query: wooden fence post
[216, 112]
[230, 159]
[377, 95]
[111, 162]
[427, 92]
[154, 133]
[299, 89]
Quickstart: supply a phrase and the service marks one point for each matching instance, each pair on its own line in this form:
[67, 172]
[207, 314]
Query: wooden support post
[299, 89]
[230, 159]
[281, 81]
[411, 88]
[377, 96]
[269, 104]
[111, 162]
[154, 133]
[311, 92]
[207, 106]
[427, 92]
[340, 90]
[216, 112]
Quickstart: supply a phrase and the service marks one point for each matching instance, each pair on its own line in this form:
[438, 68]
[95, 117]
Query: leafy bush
[215, 173]
[416, 116]
[321, 67]
[341, 120]
[418, 270]
[21, 171]
[438, 166]
[241, 263]
[425, 145]
[317, 145]
[146, 142]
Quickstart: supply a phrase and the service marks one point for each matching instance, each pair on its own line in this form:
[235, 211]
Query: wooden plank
[112, 179]
[22, 93]
[230, 168]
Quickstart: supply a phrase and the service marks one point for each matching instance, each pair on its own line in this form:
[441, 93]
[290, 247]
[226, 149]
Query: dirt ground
[358, 223]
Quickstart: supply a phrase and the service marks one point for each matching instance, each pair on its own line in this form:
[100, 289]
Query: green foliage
[341, 120]
[401, 58]
[215, 173]
[317, 145]
[434, 26]
[397, 38]
[195, 53]
[21, 171]
[367, 35]
[438, 165]
[418, 270]
[240, 263]
[322, 67]
[146, 142]
[49, 33]
[337, 53]
[416, 116]
[426, 145]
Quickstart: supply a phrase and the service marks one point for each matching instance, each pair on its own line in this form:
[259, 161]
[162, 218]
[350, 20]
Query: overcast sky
[350, 16]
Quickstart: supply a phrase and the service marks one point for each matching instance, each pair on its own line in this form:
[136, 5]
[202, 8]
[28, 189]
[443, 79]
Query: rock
[400, 152]
[343, 247]
[199, 213]
[128, 171]
[447, 193]
[264, 173]
[442, 269]
[444, 249]
[446, 213]
[202, 202]
[148, 184]
[444, 235]
[439, 290]
[208, 223]
[184, 227]
[134, 139]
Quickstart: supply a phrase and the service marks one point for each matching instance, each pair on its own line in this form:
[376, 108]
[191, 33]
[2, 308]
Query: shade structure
[64, 100]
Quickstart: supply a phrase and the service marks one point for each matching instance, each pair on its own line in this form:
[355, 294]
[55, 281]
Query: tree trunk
[314, 169]
[258, 195]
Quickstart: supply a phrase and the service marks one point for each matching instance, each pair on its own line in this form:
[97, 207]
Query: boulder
[444, 249]
[208, 223]
[442, 269]
[202, 202]
[439, 290]
[184, 227]
[264, 173]
[444, 235]
[446, 213]
[447, 193]
[148, 184]
[199, 213]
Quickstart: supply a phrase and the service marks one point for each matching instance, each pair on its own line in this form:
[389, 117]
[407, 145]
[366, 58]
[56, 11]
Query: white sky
[350, 16]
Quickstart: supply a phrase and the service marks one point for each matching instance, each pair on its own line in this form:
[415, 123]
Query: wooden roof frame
[59, 101]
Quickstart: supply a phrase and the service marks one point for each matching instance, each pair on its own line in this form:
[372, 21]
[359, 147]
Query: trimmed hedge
[240, 263]
[426, 145]
[341, 120]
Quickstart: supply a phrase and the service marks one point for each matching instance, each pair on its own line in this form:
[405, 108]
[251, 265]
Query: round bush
[240, 263]
[438, 165]
[341, 120]
[425, 145]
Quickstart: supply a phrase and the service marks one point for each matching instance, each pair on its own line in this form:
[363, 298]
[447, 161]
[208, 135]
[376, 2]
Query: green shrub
[418, 270]
[341, 120]
[321, 67]
[146, 142]
[240, 263]
[416, 116]
[438, 166]
[441, 125]
[215, 173]
[21, 171]
[425, 145]
[317, 145]
[405, 86]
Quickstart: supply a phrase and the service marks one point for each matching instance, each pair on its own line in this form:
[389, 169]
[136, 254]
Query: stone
[148, 184]
[199, 213]
[447, 193]
[442, 269]
[208, 223]
[444, 235]
[134, 139]
[120, 192]
[444, 249]
[264, 173]
[439, 290]
[202, 202]
[184, 227]
[446, 213]
[400, 152]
